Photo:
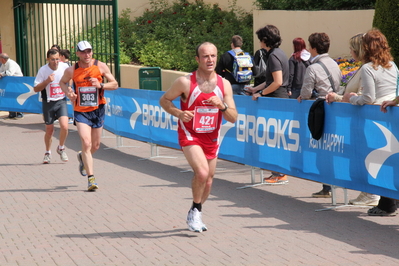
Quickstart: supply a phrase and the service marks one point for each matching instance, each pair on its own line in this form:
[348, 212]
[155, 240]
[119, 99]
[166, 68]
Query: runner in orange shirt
[89, 104]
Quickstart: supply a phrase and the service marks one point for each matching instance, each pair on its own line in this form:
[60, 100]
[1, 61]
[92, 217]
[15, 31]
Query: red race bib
[56, 91]
[205, 119]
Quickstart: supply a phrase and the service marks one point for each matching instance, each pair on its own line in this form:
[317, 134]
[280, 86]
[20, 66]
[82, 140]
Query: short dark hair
[270, 35]
[320, 41]
[55, 46]
[65, 53]
[236, 40]
[51, 52]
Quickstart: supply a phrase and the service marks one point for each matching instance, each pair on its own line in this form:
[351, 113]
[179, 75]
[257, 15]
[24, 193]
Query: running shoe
[92, 184]
[62, 154]
[194, 221]
[47, 158]
[82, 169]
[276, 180]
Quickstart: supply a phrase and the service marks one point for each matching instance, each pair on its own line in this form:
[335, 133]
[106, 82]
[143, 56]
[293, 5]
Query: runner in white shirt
[54, 102]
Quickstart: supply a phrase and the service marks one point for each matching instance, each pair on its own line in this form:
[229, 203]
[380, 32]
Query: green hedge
[167, 34]
[386, 19]
[314, 4]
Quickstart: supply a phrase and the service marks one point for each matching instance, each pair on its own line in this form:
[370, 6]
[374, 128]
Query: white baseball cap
[83, 45]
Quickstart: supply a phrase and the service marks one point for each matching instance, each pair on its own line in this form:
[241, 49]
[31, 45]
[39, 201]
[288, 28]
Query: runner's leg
[85, 133]
[198, 162]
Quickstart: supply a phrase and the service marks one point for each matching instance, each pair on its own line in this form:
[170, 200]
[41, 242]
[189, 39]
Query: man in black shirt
[225, 66]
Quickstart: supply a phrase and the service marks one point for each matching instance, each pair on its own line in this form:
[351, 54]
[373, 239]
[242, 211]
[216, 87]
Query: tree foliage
[314, 5]
[167, 34]
[387, 21]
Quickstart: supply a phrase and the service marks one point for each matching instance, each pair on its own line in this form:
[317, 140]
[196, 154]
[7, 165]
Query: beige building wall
[7, 28]
[339, 25]
[130, 77]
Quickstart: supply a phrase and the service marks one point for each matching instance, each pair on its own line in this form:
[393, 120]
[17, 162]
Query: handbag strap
[328, 74]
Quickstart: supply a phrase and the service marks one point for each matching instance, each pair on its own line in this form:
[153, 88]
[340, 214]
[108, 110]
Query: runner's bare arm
[41, 86]
[179, 88]
[65, 84]
[231, 112]
[111, 84]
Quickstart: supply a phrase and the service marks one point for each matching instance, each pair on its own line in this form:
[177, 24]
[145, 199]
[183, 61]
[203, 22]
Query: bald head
[4, 56]
[202, 45]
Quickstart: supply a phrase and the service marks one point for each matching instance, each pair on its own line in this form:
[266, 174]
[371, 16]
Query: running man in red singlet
[205, 98]
[88, 103]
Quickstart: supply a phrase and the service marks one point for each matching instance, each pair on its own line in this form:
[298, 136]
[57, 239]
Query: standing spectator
[298, 63]
[317, 78]
[202, 94]
[354, 85]
[379, 80]
[276, 82]
[260, 55]
[65, 54]
[378, 74]
[53, 102]
[56, 47]
[89, 104]
[10, 68]
[225, 65]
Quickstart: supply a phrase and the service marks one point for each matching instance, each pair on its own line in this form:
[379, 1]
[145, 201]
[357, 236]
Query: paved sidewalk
[137, 217]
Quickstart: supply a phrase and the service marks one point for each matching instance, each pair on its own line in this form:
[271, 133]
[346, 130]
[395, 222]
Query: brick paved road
[137, 217]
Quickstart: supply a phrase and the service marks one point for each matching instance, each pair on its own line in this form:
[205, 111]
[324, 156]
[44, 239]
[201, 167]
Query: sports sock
[197, 205]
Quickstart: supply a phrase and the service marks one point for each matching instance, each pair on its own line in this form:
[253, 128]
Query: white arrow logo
[21, 99]
[223, 130]
[375, 160]
[135, 115]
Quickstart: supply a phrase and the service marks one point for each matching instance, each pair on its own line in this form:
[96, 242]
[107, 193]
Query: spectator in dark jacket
[261, 54]
[298, 63]
[225, 66]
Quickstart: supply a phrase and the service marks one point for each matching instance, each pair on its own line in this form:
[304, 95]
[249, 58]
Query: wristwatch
[225, 107]
[102, 85]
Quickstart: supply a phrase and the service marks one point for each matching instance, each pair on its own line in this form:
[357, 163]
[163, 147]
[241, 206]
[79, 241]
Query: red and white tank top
[207, 118]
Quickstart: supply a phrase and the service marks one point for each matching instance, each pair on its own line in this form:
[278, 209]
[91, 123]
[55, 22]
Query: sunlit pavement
[137, 216]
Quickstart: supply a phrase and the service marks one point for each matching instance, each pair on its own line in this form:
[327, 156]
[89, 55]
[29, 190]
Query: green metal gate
[41, 23]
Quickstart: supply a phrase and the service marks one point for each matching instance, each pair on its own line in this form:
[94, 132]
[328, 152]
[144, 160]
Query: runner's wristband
[225, 107]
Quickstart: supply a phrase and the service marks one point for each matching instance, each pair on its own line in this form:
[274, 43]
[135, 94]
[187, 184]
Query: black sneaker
[19, 116]
[322, 194]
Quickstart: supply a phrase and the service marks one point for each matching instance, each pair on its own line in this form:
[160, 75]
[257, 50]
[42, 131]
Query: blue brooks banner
[17, 95]
[358, 150]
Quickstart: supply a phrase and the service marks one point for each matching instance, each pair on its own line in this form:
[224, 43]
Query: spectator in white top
[10, 68]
